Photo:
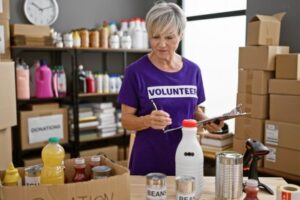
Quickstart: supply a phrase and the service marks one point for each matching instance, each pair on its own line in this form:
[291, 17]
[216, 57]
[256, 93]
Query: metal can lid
[33, 170]
[185, 184]
[156, 179]
[229, 158]
[101, 168]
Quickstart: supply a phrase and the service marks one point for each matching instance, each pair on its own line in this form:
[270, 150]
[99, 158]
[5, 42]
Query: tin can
[33, 175]
[185, 188]
[156, 186]
[102, 171]
[229, 176]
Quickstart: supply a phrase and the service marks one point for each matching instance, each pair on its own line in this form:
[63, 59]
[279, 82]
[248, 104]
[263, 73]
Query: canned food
[33, 175]
[102, 171]
[156, 186]
[185, 188]
[229, 176]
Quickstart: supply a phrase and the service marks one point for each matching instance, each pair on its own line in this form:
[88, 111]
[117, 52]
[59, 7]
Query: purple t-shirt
[177, 93]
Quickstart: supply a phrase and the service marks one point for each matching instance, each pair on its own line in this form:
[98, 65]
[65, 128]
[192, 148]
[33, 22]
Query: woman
[158, 92]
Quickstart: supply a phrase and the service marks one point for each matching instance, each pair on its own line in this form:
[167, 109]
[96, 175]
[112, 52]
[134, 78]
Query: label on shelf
[271, 134]
[42, 127]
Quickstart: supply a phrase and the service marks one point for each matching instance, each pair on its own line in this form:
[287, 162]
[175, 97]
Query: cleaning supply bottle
[90, 82]
[61, 81]
[43, 84]
[54, 81]
[189, 155]
[12, 176]
[251, 189]
[22, 79]
[53, 155]
[79, 166]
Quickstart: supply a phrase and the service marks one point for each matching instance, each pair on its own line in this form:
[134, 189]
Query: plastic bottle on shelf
[104, 35]
[251, 189]
[90, 82]
[137, 35]
[189, 155]
[12, 176]
[126, 41]
[105, 83]
[82, 81]
[99, 83]
[53, 155]
[61, 81]
[79, 166]
[76, 39]
[22, 77]
[124, 25]
[113, 27]
[54, 81]
[145, 34]
[114, 41]
[43, 81]
[131, 27]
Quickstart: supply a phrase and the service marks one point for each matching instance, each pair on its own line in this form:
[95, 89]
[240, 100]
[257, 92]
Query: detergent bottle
[43, 81]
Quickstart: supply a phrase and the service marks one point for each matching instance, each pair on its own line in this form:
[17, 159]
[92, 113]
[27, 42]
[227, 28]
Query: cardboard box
[36, 161]
[110, 152]
[282, 134]
[288, 66]
[115, 187]
[279, 159]
[260, 57]
[254, 81]
[44, 106]
[246, 127]
[4, 40]
[8, 113]
[5, 148]
[283, 86]
[38, 125]
[29, 30]
[285, 108]
[264, 30]
[4, 9]
[255, 104]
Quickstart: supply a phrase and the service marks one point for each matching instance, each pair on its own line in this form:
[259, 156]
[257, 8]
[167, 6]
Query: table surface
[138, 190]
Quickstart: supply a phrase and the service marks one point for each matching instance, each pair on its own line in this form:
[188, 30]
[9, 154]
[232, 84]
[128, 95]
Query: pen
[155, 107]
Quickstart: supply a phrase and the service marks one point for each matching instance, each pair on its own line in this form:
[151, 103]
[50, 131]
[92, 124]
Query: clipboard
[234, 113]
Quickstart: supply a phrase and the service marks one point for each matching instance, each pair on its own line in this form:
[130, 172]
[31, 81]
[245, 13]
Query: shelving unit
[74, 98]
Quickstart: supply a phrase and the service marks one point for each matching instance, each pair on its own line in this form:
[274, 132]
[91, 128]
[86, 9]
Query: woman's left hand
[214, 127]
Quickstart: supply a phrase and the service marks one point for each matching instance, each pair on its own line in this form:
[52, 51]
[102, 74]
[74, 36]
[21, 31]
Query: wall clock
[41, 12]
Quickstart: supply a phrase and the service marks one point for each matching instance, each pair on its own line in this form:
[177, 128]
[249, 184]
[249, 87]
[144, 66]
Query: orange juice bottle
[53, 155]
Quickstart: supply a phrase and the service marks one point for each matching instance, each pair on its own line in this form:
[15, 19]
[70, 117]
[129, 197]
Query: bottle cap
[95, 158]
[252, 183]
[189, 123]
[79, 161]
[53, 140]
[11, 169]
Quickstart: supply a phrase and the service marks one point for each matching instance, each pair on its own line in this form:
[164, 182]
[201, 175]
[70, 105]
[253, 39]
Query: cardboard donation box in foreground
[264, 30]
[115, 187]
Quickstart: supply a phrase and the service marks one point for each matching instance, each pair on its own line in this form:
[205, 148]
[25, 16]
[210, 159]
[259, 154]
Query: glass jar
[185, 187]
[102, 171]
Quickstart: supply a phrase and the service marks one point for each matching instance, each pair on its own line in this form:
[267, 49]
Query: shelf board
[38, 100]
[53, 48]
[82, 95]
[280, 174]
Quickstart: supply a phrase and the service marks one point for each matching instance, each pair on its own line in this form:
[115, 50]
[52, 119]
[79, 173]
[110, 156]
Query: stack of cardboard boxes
[283, 129]
[7, 88]
[256, 68]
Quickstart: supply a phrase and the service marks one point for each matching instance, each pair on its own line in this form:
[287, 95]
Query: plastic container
[12, 176]
[106, 83]
[95, 161]
[114, 41]
[76, 39]
[137, 36]
[251, 189]
[79, 166]
[43, 81]
[189, 155]
[61, 81]
[22, 77]
[90, 82]
[53, 155]
[126, 41]
[104, 35]
[54, 81]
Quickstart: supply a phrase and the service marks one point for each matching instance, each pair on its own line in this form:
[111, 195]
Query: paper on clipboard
[236, 112]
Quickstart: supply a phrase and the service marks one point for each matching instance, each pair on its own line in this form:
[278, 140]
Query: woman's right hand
[159, 119]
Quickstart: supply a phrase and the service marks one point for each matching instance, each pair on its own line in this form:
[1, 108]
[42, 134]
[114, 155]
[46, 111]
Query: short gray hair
[165, 16]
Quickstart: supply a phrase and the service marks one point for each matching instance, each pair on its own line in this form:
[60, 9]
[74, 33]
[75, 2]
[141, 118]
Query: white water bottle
[189, 155]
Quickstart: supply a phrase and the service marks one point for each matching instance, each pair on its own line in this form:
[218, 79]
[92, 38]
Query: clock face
[41, 12]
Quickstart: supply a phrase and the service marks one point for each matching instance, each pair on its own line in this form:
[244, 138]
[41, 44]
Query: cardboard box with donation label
[115, 187]
[40, 123]
[264, 29]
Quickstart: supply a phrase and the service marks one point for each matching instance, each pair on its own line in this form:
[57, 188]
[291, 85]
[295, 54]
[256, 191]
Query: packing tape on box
[288, 192]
